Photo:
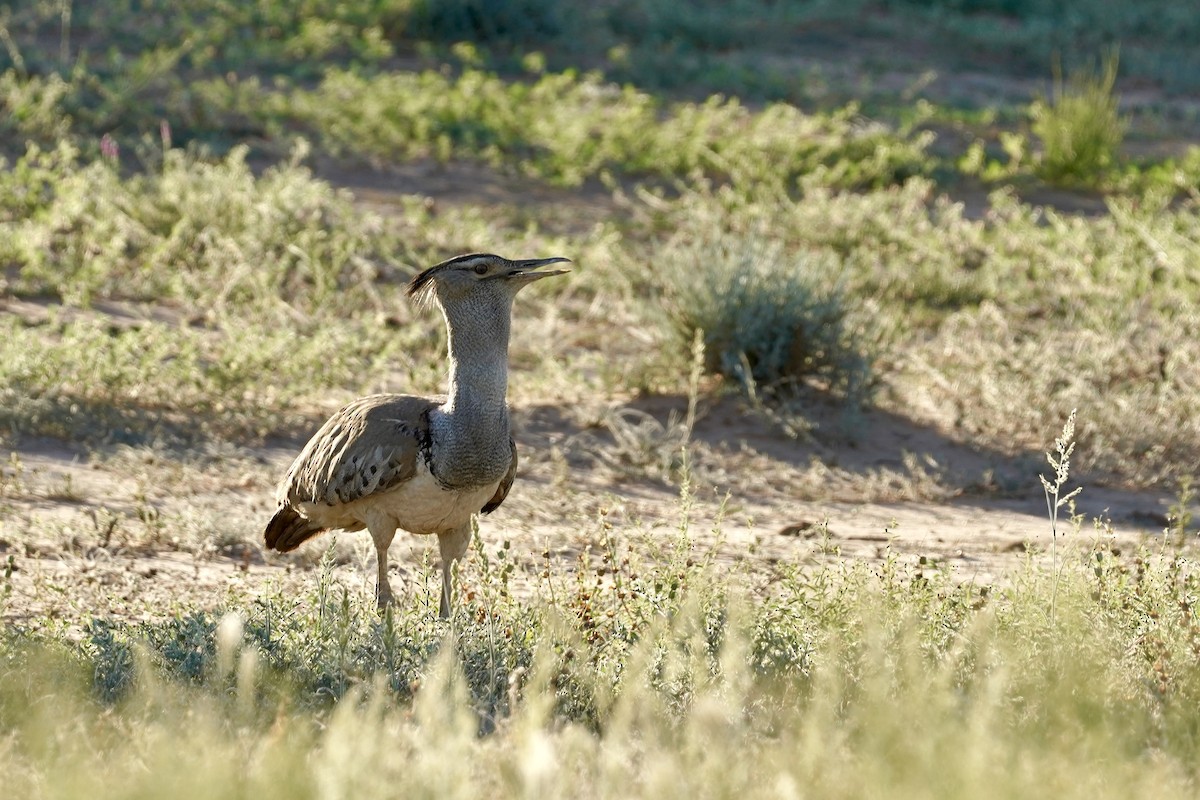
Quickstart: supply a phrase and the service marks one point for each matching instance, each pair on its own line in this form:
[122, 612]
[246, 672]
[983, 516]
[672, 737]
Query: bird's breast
[422, 504]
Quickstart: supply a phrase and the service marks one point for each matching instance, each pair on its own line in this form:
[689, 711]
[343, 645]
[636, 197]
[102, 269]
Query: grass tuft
[1081, 128]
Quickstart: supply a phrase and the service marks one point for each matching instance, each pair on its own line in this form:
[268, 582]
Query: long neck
[478, 369]
[472, 431]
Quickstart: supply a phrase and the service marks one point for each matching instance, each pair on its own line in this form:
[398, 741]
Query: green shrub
[1081, 129]
[32, 108]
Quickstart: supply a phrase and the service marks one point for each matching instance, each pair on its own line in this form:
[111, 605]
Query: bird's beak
[524, 270]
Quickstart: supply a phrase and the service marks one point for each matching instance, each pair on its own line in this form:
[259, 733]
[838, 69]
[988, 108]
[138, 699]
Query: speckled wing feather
[369, 446]
[505, 483]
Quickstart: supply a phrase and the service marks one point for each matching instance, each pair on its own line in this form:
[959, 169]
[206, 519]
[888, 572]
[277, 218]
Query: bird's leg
[452, 545]
[382, 533]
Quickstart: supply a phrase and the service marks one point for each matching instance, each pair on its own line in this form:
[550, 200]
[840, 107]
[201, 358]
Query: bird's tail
[287, 530]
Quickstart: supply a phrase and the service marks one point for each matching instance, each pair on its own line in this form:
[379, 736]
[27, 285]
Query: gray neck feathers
[470, 432]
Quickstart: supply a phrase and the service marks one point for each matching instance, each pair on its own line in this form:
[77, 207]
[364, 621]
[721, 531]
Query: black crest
[421, 282]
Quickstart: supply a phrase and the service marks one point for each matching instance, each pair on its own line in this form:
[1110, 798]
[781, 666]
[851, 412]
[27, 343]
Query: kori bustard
[424, 465]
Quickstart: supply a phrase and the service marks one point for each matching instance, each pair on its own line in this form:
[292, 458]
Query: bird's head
[479, 275]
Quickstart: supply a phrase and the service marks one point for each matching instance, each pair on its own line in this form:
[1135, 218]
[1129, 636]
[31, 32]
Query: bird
[426, 465]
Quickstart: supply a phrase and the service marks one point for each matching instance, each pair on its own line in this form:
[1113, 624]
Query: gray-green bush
[769, 318]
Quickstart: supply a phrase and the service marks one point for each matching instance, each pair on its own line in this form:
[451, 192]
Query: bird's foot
[384, 598]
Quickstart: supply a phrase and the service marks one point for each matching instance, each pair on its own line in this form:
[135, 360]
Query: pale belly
[419, 505]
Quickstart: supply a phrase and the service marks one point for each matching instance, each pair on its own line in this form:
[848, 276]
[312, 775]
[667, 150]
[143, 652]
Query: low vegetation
[567, 128]
[221, 250]
[636, 679]
[211, 235]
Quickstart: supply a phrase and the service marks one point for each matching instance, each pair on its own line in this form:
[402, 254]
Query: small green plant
[1081, 128]
[1060, 462]
[13, 477]
[1180, 514]
[6, 591]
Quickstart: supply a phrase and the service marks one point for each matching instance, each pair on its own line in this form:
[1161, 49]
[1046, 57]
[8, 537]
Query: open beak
[525, 271]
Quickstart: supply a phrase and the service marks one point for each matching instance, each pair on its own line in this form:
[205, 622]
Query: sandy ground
[129, 535]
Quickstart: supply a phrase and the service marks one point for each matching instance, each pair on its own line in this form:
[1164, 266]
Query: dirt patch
[130, 535]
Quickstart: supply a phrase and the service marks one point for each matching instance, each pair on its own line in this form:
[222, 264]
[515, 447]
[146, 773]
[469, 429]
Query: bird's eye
[481, 269]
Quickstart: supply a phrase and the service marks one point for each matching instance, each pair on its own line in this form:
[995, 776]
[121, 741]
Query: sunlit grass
[567, 128]
[842, 680]
[210, 234]
[84, 381]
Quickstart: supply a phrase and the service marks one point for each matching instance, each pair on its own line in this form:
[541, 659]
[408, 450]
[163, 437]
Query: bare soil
[190, 537]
